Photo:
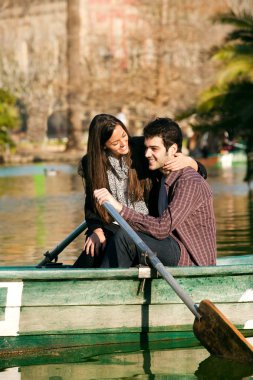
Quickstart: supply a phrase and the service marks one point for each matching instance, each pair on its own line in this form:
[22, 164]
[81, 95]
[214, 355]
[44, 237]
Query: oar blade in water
[219, 336]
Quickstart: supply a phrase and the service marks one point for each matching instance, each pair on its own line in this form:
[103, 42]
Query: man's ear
[173, 149]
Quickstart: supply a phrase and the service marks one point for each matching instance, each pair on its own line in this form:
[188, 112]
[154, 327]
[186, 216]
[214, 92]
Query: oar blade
[219, 336]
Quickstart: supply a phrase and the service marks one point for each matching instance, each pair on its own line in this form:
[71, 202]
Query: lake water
[41, 204]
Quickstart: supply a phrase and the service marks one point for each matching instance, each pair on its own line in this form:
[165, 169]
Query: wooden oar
[53, 255]
[219, 336]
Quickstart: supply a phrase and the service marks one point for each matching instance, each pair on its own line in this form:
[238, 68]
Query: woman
[116, 161]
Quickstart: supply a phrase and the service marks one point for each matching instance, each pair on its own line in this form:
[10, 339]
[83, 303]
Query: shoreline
[35, 156]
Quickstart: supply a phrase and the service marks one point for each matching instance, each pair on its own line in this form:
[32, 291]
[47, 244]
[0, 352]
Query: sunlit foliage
[9, 117]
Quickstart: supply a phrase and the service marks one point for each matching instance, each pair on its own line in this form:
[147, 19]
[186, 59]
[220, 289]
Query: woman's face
[118, 142]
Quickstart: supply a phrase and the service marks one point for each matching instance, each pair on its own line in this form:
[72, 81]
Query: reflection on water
[175, 364]
[233, 204]
[41, 204]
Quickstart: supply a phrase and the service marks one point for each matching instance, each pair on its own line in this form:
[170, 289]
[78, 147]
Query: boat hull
[49, 308]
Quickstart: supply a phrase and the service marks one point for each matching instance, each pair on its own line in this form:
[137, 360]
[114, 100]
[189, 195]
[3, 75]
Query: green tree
[237, 51]
[9, 118]
[227, 105]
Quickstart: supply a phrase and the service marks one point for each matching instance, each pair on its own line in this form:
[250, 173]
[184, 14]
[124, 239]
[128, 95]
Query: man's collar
[172, 177]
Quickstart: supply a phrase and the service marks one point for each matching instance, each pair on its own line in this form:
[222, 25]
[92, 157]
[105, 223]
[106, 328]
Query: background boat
[224, 159]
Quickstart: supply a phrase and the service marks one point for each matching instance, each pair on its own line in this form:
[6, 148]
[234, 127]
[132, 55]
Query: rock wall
[150, 56]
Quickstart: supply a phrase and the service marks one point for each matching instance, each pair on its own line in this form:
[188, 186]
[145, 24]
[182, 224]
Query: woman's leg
[120, 252]
[88, 261]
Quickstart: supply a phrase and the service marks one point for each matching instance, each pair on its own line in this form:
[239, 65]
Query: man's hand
[103, 195]
[94, 242]
[179, 161]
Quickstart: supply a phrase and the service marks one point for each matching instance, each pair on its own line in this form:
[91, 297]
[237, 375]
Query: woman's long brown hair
[100, 131]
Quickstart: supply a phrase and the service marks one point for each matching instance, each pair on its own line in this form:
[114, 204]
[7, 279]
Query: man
[184, 233]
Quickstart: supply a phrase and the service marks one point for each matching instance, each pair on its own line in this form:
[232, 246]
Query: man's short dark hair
[167, 129]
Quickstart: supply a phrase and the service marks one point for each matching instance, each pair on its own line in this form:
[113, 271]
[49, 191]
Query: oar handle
[50, 256]
[156, 263]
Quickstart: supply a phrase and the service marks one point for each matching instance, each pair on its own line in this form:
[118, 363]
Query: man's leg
[167, 250]
[121, 252]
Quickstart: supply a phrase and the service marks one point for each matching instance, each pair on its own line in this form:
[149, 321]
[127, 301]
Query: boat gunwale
[69, 273]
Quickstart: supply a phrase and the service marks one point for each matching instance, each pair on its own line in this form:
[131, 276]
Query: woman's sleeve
[91, 216]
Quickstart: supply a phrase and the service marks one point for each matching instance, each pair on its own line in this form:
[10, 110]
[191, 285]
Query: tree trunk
[75, 134]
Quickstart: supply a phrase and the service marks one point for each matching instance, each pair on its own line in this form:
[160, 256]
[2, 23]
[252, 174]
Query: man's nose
[147, 152]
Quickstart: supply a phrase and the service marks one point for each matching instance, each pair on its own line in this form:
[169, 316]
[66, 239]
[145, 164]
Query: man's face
[156, 152]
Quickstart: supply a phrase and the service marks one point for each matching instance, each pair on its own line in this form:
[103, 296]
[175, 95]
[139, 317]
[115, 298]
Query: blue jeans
[121, 251]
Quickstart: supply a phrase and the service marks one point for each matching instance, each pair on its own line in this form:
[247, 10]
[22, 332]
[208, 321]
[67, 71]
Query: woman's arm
[180, 161]
[96, 238]
[92, 218]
